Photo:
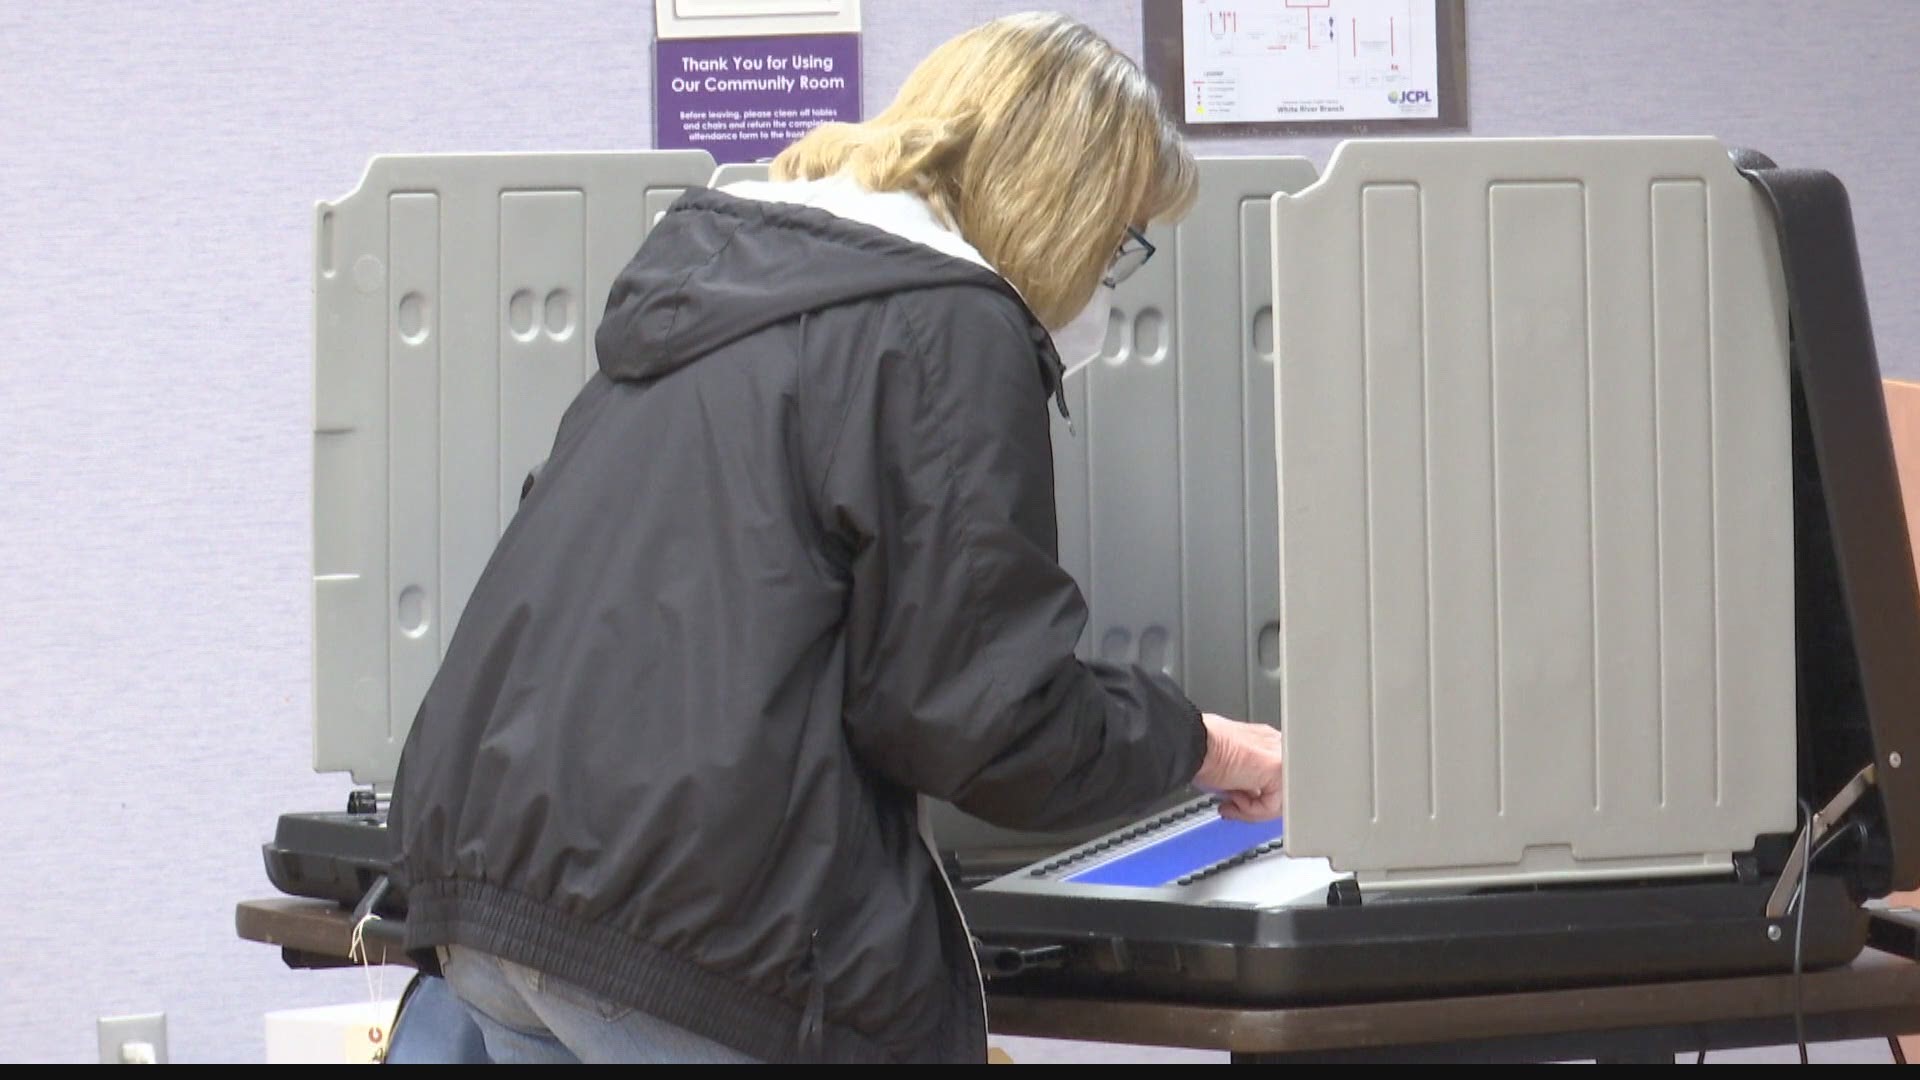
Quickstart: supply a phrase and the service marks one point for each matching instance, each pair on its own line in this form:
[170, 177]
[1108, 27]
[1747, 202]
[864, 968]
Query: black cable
[1800, 918]
[1799, 932]
[1855, 829]
[1799, 907]
[1899, 1054]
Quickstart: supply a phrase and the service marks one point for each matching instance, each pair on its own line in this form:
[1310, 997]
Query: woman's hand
[1243, 764]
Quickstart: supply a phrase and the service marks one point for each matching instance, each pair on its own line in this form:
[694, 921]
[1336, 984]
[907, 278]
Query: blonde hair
[1035, 138]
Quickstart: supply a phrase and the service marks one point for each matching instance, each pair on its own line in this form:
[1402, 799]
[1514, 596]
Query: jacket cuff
[1195, 745]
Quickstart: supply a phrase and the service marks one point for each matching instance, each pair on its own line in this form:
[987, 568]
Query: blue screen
[1177, 856]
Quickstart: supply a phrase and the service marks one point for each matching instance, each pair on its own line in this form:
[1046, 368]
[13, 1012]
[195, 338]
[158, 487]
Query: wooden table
[1878, 996]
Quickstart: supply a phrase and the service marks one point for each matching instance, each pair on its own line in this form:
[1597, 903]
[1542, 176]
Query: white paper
[1277, 61]
[1271, 881]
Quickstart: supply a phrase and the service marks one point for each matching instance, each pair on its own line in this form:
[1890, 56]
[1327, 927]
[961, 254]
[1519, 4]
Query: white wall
[158, 166]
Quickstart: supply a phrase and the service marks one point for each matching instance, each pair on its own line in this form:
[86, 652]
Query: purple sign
[745, 99]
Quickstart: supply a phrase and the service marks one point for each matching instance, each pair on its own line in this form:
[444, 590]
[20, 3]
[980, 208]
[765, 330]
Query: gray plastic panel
[1167, 497]
[1536, 535]
[455, 300]
[737, 172]
[1165, 480]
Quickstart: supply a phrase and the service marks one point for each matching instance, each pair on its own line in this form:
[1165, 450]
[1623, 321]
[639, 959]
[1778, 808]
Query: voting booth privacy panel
[1539, 489]
[1536, 533]
[456, 301]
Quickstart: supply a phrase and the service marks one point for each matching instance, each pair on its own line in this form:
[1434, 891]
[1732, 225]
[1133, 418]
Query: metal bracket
[1823, 822]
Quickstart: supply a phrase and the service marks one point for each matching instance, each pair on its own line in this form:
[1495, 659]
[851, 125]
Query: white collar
[901, 213]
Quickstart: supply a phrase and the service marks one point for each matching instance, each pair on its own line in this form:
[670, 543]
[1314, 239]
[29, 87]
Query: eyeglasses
[1133, 254]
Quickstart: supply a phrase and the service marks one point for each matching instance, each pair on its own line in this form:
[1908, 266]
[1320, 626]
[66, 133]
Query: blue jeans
[435, 1028]
[528, 1018]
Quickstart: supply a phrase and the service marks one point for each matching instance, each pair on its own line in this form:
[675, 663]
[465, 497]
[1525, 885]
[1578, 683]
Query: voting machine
[1539, 490]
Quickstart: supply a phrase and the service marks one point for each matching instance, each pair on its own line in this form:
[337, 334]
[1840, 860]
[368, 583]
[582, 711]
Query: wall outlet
[133, 1040]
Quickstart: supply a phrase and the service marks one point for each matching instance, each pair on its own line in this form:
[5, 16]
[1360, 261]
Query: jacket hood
[718, 267]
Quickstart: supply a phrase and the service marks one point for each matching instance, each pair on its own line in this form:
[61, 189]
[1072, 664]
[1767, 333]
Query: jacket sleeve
[963, 683]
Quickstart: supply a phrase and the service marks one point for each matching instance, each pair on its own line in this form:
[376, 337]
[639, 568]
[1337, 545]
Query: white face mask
[1082, 340]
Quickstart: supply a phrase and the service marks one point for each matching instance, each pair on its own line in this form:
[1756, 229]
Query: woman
[791, 567]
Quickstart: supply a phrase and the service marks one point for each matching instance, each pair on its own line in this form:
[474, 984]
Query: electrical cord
[1854, 829]
[1799, 933]
[1798, 906]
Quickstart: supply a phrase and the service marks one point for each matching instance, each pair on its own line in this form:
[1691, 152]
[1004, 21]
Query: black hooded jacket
[791, 562]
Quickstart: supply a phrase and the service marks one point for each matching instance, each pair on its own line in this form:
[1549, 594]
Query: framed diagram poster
[1238, 67]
